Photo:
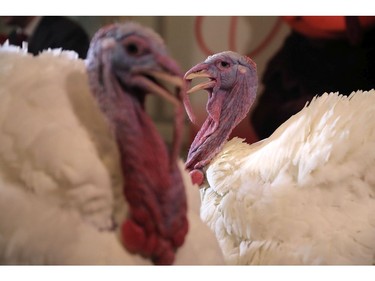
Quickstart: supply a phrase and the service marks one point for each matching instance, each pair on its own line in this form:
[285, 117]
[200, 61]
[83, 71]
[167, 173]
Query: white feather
[305, 195]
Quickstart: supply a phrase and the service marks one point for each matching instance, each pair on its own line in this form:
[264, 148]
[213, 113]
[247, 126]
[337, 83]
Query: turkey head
[231, 86]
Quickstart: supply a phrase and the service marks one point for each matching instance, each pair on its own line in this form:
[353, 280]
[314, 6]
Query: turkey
[306, 194]
[85, 177]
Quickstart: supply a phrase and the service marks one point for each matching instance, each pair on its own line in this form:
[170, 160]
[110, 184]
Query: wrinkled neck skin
[224, 113]
[157, 223]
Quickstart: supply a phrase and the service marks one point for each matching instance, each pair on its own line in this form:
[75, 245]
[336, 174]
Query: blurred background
[181, 36]
[190, 39]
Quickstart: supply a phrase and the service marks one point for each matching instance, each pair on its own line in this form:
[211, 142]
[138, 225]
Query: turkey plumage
[306, 194]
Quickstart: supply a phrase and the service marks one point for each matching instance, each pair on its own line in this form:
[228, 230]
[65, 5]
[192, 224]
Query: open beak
[199, 71]
[203, 85]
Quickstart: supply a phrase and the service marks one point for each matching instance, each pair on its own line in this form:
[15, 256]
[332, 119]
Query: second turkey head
[231, 86]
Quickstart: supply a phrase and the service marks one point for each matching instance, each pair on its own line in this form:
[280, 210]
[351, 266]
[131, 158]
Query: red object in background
[324, 26]
[232, 37]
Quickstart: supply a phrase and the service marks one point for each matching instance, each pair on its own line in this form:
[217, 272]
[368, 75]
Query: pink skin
[197, 176]
[232, 91]
[119, 63]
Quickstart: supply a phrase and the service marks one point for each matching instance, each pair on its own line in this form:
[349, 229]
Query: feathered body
[58, 157]
[305, 195]
[61, 178]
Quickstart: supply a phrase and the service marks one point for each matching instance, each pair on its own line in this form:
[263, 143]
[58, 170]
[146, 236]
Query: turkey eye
[224, 64]
[132, 49]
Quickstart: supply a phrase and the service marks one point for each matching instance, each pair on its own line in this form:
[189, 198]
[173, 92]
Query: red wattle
[197, 176]
[133, 237]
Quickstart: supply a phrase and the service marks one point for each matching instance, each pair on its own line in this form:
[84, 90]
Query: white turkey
[85, 177]
[306, 194]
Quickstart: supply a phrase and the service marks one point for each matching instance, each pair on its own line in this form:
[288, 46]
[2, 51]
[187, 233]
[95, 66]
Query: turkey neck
[215, 131]
[226, 108]
[153, 187]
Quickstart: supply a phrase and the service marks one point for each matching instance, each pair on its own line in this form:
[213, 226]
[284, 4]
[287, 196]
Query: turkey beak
[200, 86]
[199, 71]
[162, 92]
